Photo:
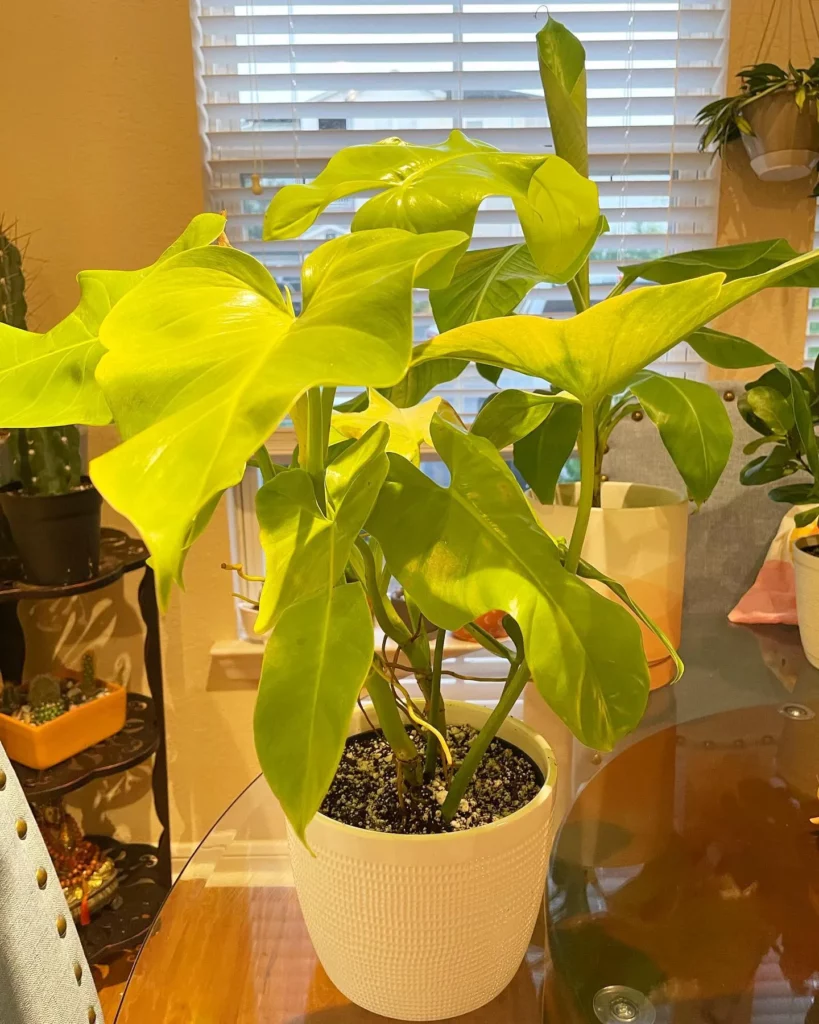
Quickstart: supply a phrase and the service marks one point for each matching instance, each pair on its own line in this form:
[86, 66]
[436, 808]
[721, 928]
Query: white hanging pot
[806, 575]
[785, 143]
[639, 539]
[427, 927]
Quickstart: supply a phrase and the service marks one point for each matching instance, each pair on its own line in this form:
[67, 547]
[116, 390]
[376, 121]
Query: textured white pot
[638, 538]
[427, 927]
[806, 574]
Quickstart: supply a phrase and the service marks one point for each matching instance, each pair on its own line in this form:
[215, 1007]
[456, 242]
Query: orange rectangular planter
[43, 746]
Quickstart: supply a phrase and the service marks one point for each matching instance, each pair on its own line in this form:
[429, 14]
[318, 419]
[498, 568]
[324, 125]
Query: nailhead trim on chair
[42, 980]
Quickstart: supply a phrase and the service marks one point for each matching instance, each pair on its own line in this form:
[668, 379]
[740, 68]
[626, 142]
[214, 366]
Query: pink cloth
[772, 598]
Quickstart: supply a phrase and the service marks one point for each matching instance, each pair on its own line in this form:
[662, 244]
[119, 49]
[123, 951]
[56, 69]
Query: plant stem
[328, 396]
[588, 437]
[488, 642]
[314, 456]
[265, 464]
[518, 677]
[619, 288]
[579, 290]
[385, 615]
[435, 709]
[392, 725]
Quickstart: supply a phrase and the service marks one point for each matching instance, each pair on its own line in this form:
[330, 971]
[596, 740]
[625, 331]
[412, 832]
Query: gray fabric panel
[37, 983]
[729, 536]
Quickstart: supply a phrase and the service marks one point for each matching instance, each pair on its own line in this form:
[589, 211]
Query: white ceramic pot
[638, 538]
[427, 927]
[806, 574]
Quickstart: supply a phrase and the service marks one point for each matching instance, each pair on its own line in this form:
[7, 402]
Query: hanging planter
[775, 114]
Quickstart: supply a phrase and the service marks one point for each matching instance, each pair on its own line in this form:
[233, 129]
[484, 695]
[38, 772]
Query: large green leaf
[747, 259]
[487, 283]
[48, 379]
[205, 358]
[694, 427]
[408, 428]
[598, 351]
[540, 456]
[437, 188]
[511, 414]
[314, 666]
[476, 546]
[562, 62]
[420, 380]
[305, 550]
[727, 351]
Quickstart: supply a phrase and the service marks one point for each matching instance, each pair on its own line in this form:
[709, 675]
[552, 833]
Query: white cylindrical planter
[806, 574]
[638, 538]
[427, 927]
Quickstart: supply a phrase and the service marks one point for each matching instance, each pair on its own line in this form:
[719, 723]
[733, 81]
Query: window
[284, 86]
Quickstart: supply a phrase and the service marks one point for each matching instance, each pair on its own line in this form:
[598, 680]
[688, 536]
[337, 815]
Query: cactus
[44, 689]
[13, 307]
[88, 684]
[45, 460]
[47, 712]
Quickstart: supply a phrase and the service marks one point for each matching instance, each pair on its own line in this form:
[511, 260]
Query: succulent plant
[48, 712]
[10, 699]
[88, 684]
[45, 460]
[44, 689]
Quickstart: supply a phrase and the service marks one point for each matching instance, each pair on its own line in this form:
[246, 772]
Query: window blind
[285, 86]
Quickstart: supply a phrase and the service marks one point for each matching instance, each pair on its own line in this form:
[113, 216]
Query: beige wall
[753, 210]
[101, 162]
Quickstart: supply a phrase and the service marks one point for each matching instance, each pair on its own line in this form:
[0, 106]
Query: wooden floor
[110, 980]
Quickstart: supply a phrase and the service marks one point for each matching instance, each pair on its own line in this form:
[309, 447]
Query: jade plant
[41, 461]
[782, 406]
[198, 358]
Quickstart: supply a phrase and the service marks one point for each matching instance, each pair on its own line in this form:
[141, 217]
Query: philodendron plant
[595, 364]
[199, 357]
[782, 406]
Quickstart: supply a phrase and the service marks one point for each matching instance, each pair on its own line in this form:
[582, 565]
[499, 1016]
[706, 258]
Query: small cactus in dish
[88, 683]
[47, 712]
[44, 689]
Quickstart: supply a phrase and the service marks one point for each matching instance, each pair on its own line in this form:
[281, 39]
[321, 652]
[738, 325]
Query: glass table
[683, 884]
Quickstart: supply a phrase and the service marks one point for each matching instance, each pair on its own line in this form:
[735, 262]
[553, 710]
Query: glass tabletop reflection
[683, 884]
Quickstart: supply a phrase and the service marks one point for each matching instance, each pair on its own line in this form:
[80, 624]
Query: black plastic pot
[57, 536]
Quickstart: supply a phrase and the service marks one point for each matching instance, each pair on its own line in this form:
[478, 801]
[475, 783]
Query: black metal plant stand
[144, 871]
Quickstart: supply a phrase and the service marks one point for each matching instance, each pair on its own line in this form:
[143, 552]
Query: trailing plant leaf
[510, 415]
[67, 355]
[588, 572]
[476, 546]
[314, 666]
[562, 62]
[802, 519]
[803, 421]
[694, 427]
[205, 359]
[437, 188]
[408, 428]
[727, 351]
[541, 455]
[305, 550]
